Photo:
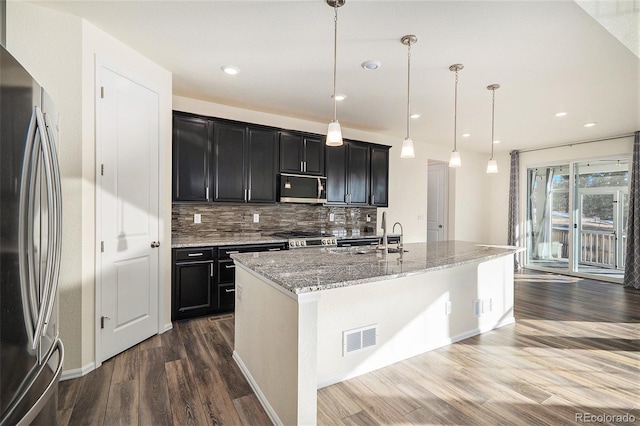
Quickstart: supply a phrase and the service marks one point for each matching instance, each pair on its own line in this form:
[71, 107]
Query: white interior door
[436, 201]
[127, 211]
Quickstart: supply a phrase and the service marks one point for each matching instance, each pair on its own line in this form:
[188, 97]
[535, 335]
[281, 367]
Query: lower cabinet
[203, 279]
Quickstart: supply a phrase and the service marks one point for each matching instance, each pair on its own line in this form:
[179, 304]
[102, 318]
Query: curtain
[514, 199]
[632, 260]
[543, 238]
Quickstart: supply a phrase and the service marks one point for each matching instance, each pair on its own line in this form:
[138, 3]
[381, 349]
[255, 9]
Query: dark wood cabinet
[379, 176]
[245, 163]
[229, 149]
[348, 174]
[262, 165]
[191, 158]
[193, 283]
[301, 153]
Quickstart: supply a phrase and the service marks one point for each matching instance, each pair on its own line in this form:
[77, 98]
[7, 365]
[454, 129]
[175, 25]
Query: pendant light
[492, 165]
[407, 144]
[334, 132]
[454, 159]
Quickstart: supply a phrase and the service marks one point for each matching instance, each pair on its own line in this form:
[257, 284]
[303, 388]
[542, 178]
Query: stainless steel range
[301, 239]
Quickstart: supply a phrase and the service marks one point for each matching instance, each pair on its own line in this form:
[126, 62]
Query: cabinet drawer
[226, 295]
[193, 254]
[225, 252]
[226, 271]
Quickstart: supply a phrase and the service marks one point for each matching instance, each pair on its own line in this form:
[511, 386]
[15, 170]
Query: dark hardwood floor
[574, 351]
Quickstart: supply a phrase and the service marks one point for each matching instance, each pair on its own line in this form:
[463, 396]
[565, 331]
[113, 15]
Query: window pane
[597, 212]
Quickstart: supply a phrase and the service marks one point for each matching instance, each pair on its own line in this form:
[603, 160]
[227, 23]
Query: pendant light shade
[334, 132]
[454, 159]
[407, 144]
[407, 149]
[492, 165]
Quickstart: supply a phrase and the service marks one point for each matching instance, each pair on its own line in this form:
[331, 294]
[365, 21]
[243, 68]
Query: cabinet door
[192, 290]
[191, 158]
[229, 149]
[262, 167]
[379, 177]
[313, 150]
[290, 153]
[358, 173]
[336, 166]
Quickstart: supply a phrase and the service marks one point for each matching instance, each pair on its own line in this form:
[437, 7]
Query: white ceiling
[548, 56]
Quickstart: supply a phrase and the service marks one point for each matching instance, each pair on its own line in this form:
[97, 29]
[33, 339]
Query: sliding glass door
[576, 217]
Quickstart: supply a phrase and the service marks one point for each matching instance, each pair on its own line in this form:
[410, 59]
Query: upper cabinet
[379, 176]
[357, 174]
[245, 163]
[301, 153]
[191, 158]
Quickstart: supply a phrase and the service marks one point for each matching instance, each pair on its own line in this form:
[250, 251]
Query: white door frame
[101, 62]
[448, 208]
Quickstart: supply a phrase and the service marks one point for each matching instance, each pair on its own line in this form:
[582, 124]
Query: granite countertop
[314, 269]
[229, 239]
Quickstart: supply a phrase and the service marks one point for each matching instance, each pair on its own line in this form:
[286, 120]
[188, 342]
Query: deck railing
[597, 248]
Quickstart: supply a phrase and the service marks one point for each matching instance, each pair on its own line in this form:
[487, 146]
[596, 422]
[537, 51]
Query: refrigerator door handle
[55, 233]
[51, 388]
[25, 235]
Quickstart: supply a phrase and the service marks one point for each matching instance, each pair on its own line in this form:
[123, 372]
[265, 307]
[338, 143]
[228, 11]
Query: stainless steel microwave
[303, 189]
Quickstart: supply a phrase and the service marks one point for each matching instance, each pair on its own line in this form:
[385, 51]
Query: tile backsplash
[233, 218]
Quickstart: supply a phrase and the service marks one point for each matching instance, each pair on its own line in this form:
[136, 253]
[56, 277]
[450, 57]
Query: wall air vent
[359, 338]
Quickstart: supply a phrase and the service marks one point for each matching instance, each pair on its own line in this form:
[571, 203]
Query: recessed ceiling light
[230, 69]
[590, 124]
[371, 65]
[340, 97]
[466, 135]
[561, 114]
[415, 115]
[496, 141]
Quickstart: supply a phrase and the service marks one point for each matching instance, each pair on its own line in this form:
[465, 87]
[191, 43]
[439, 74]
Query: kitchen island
[310, 318]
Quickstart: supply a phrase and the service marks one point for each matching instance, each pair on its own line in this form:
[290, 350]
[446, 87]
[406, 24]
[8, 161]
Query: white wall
[407, 177]
[59, 50]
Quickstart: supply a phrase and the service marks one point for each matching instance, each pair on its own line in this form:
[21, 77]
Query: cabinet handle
[373, 199]
[275, 249]
[211, 269]
[230, 290]
[206, 193]
[195, 254]
[305, 166]
[302, 166]
[229, 266]
[233, 252]
[249, 194]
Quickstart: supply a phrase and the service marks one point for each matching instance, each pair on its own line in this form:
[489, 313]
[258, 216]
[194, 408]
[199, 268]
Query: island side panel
[411, 315]
[275, 346]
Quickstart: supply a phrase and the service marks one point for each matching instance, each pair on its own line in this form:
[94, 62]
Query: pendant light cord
[493, 109]
[455, 115]
[409, 89]
[335, 55]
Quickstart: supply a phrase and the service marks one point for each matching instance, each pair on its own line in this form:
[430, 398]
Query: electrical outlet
[421, 217]
[368, 218]
[332, 217]
[197, 218]
[256, 217]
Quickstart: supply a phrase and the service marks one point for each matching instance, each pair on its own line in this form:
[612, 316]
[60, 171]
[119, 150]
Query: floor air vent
[359, 338]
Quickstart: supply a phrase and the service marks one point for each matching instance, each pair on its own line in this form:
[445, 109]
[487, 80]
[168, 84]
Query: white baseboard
[77, 372]
[168, 326]
[256, 389]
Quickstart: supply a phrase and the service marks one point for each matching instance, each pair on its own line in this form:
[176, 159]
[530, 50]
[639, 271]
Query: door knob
[155, 244]
[439, 226]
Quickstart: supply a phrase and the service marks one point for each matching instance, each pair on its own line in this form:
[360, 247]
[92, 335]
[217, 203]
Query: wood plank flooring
[575, 350]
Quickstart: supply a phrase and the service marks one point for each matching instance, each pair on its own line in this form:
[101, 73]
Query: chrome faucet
[393, 230]
[383, 243]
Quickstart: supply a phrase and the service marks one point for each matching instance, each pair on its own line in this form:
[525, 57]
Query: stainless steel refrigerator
[31, 353]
